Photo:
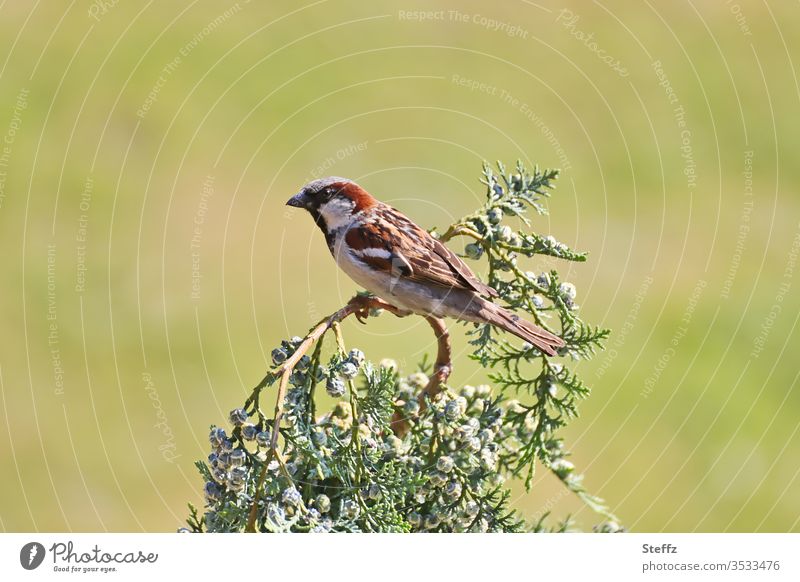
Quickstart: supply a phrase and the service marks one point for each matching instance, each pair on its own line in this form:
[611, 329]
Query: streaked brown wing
[461, 268]
[416, 255]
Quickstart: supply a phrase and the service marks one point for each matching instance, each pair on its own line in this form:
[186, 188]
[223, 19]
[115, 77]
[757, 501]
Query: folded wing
[415, 255]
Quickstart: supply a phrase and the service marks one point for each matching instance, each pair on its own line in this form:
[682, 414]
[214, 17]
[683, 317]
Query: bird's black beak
[299, 200]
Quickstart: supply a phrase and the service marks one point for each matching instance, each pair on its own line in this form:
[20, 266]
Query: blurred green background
[150, 264]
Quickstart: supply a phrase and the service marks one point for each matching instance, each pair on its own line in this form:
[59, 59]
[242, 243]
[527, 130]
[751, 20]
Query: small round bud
[374, 491]
[514, 406]
[237, 458]
[323, 503]
[350, 509]
[334, 386]
[483, 391]
[468, 392]
[438, 479]
[445, 464]
[455, 408]
[237, 476]
[212, 492]
[418, 380]
[348, 370]
[495, 215]
[549, 386]
[263, 438]
[543, 280]
[303, 364]
[279, 356]
[184, 530]
[538, 301]
[296, 341]
[473, 251]
[498, 190]
[562, 467]
[356, 356]
[226, 445]
[291, 496]
[486, 436]
[488, 460]
[249, 431]
[224, 460]
[388, 364]
[471, 509]
[453, 489]
[432, 521]
[504, 233]
[568, 290]
[216, 436]
[297, 379]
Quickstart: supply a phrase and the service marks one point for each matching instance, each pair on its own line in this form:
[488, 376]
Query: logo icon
[31, 555]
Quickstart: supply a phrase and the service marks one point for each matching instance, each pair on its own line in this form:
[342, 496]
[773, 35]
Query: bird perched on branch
[396, 260]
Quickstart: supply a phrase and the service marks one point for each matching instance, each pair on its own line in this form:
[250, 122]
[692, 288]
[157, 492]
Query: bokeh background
[150, 264]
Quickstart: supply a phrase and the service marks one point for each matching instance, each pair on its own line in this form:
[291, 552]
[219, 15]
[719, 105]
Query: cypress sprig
[332, 455]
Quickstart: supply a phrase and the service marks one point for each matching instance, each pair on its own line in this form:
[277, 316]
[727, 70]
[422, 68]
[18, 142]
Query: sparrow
[387, 254]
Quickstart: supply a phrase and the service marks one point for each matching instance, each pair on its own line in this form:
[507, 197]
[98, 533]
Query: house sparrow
[396, 260]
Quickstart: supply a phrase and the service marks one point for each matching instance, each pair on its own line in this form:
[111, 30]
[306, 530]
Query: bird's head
[332, 201]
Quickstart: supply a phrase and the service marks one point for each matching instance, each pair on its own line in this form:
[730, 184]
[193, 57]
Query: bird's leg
[362, 304]
[441, 372]
[443, 365]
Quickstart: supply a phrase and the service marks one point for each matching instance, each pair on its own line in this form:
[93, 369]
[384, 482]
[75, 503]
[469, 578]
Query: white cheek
[337, 213]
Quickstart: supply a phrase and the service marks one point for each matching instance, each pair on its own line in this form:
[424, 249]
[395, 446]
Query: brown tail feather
[512, 323]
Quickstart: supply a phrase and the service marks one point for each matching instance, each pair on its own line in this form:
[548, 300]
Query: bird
[393, 258]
